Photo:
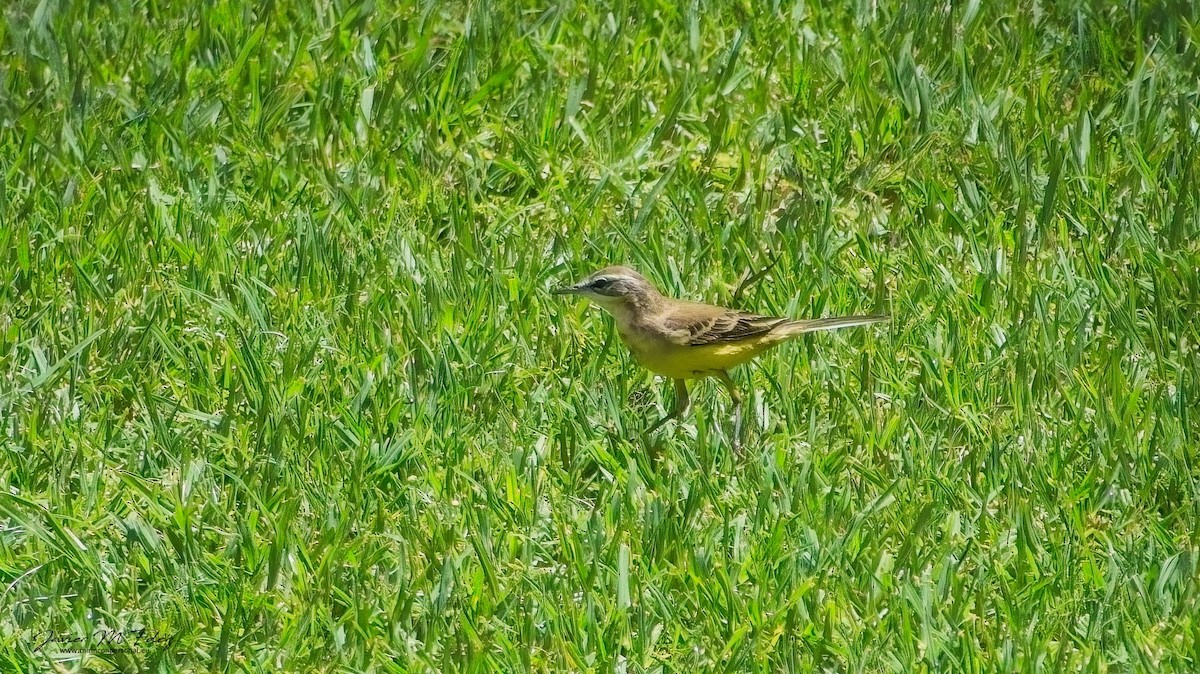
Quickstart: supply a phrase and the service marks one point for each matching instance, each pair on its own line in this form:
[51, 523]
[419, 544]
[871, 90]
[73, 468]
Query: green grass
[280, 377]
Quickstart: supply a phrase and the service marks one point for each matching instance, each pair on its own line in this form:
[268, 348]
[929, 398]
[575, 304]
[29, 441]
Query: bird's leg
[681, 405]
[730, 386]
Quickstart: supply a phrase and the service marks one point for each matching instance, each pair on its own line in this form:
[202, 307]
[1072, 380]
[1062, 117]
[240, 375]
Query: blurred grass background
[280, 378]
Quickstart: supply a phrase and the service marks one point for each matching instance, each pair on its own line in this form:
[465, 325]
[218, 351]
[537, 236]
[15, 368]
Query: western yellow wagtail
[688, 340]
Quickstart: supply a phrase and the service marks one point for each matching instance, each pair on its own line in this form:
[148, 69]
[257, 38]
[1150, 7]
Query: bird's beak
[566, 290]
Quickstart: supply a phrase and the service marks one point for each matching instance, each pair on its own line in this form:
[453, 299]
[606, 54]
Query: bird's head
[614, 288]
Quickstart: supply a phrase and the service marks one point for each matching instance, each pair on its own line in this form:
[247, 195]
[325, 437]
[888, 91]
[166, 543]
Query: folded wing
[702, 324]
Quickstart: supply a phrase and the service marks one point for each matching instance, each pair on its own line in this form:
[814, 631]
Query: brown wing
[700, 324]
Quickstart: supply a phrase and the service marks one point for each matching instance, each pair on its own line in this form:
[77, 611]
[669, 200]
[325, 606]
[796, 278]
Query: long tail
[799, 327]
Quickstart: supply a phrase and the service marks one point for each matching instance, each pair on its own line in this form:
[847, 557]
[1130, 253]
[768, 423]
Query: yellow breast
[688, 362]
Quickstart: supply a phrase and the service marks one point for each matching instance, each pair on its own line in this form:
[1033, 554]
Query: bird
[684, 340]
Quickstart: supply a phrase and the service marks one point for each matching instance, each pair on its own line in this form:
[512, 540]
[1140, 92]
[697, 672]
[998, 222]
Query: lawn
[282, 386]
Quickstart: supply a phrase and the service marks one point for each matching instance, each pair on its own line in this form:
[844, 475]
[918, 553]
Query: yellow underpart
[691, 362]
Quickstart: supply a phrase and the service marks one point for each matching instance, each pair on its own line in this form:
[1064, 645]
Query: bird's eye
[600, 283]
